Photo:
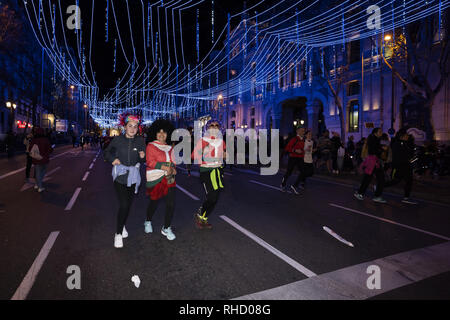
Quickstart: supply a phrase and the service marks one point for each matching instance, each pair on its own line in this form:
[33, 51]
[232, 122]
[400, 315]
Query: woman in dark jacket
[126, 153]
[42, 160]
[372, 166]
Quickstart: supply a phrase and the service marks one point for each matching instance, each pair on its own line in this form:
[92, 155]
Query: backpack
[34, 153]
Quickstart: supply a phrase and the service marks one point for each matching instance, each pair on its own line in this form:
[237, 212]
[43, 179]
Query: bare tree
[418, 50]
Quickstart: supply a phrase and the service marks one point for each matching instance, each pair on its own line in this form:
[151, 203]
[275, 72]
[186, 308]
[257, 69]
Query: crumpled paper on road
[136, 281]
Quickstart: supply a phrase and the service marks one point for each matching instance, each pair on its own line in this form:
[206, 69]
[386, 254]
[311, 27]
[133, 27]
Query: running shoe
[409, 201]
[198, 221]
[168, 233]
[379, 200]
[206, 224]
[124, 233]
[295, 189]
[36, 187]
[148, 227]
[40, 190]
[118, 242]
[358, 196]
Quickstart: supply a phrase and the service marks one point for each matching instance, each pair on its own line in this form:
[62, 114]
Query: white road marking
[47, 177]
[351, 283]
[268, 186]
[72, 201]
[22, 169]
[90, 167]
[273, 250]
[188, 193]
[85, 176]
[11, 173]
[338, 237]
[228, 174]
[59, 155]
[247, 171]
[384, 192]
[392, 222]
[27, 283]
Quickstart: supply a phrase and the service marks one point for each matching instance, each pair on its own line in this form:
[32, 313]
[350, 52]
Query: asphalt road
[264, 244]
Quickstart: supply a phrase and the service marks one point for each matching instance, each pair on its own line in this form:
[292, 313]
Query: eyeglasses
[214, 125]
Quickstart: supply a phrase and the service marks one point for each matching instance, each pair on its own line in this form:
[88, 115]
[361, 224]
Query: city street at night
[264, 244]
[225, 159]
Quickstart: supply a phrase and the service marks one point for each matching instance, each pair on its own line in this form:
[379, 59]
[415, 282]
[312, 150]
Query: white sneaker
[148, 227]
[118, 242]
[41, 190]
[168, 233]
[124, 233]
[379, 200]
[36, 187]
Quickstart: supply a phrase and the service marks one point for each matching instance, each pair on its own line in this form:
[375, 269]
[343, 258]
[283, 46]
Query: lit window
[353, 119]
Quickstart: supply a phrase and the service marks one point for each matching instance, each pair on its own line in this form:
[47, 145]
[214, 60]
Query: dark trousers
[379, 173]
[29, 164]
[125, 196]
[170, 207]
[212, 194]
[292, 163]
[210, 203]
[399, 173]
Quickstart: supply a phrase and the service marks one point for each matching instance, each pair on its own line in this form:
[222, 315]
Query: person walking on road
[160, 174]
[27, 143]
[210, 153]
[402, 153]
[308, 167]
[324, 147]
[126, 153]
[40, 150]
[371, 166]
[296, 150]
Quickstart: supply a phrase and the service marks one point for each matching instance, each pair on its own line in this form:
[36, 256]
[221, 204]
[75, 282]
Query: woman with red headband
[126, 153]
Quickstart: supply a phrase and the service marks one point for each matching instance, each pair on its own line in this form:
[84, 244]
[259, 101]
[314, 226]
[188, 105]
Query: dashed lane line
[27, 283]
[73, 199]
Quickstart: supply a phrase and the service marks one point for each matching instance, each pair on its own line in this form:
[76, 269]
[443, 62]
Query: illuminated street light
[14, 106]
[387, 37]
[302, 122]
[295, 123]
[8, 104]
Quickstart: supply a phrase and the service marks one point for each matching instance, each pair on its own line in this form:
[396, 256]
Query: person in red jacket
[160, 174]
[296, 150]
[209, 153]
[41, 162]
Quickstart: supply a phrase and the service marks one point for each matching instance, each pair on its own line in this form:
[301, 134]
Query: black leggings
[210, 180]
[170, 208]
[379, 173]
[125, 196]
[29, 164]
[292, 163]
[399, 173]
[210, 203]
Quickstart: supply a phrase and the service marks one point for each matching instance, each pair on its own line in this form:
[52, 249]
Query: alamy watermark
[261, 147]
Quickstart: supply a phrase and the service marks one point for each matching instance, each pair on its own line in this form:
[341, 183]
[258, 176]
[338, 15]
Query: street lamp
[8, 104]
[388, 38]
[85, 116]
